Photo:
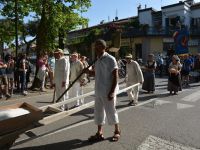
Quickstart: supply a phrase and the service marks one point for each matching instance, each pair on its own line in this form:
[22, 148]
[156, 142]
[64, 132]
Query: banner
[181, 38]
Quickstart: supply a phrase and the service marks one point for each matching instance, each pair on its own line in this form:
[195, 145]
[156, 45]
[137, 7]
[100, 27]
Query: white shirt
[61, 71]
[104, 67]
[133, 72]
[76, 70]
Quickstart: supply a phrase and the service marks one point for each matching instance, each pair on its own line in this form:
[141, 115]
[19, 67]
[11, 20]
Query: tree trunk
[41, 40]
[61, 39]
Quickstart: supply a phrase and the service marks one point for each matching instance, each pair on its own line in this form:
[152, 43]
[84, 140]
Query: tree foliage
[55, 17]
[7, 31]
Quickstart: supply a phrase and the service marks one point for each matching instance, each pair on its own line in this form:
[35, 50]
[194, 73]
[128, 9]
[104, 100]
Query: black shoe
[96, 138]
[7, 96]
[132, 103]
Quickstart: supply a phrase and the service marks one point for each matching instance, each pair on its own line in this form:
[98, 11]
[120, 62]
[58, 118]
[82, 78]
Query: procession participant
[174, 80]
[149, 75]
[75, 70]
[106, 86]
[61, 75]
[133, 75]
[85, 64]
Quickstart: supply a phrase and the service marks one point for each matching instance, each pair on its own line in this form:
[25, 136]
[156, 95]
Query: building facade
[154, 31]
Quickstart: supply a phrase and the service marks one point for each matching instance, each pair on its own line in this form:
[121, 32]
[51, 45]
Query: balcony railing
[149, 31]
[153, 31]
[195, 31]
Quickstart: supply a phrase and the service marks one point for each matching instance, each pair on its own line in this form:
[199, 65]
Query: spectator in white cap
[61, 75]
[133, 75]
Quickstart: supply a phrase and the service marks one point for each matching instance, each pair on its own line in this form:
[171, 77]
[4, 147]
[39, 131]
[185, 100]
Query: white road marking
[192, 97]
[184, 106]
[161, 102]
[155, 143]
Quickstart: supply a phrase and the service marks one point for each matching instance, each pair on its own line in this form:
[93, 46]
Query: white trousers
[59, 91]
[104, 108]
[76, 91]
[133, 93]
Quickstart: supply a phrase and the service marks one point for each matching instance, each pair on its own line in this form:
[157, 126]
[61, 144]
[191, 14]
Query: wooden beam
[61, 115]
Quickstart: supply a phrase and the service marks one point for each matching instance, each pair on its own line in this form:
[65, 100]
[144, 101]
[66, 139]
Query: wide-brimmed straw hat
[176, 57]
[74, 54]
[151, 55]
[129, 56]
[58, 51]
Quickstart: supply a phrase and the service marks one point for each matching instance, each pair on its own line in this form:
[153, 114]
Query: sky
[107, 9]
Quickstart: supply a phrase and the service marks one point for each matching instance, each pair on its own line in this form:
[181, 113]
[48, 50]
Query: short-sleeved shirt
[2, 69]
[187, 65]
[51, 62]
[75, 70]
[104, 67]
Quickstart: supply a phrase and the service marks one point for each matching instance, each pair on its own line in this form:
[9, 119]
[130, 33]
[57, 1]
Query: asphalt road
[160, 121]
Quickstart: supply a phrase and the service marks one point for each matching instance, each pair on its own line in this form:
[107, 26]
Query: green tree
[29, 30]
[56, 18]
[7, 31]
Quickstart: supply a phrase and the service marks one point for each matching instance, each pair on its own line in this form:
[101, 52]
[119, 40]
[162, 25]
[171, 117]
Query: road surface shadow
[159, 85]
[86, 111]
[122, 94]
[66, 145]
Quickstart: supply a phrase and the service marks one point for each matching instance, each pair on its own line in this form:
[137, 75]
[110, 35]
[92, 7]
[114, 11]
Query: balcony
[195, 31]
[150, 31]
[153, 31]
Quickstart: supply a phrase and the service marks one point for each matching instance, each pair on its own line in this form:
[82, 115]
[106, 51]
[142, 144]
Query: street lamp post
[16, 27]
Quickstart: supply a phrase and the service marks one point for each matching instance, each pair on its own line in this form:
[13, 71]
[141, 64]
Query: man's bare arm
[114, 84]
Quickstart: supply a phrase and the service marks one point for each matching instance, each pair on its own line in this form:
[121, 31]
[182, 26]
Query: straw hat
[58, 51]
[129, 56]
[151, 55]
[74, 54]
[176, 57]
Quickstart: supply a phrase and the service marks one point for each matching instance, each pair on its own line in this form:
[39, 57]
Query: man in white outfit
[61, 75]
[75, 70]
[133, 75]
[106, 87]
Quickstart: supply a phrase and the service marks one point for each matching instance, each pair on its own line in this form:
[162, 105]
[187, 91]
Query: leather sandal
[96, 138]
[116, 136]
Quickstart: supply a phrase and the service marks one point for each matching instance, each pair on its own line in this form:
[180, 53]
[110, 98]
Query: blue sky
[104, 9]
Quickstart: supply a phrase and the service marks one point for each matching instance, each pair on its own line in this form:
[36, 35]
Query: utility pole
[16, 27]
